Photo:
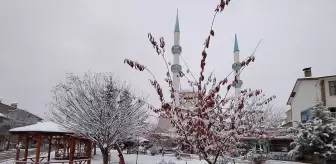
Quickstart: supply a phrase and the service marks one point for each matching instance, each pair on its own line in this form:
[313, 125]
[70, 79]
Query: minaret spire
[177, 24]
[235, 48]
[176, 67]
[236, 67]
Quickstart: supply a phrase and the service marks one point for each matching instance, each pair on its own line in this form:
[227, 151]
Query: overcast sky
[41, 41]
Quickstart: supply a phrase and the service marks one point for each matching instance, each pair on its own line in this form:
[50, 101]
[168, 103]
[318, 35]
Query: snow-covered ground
[148, 159]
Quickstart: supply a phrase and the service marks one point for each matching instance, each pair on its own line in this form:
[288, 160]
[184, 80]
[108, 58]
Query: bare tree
[274, 116]
[270, 116]
[100, 108]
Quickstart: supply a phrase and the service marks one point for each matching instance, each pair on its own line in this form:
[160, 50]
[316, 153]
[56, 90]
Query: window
[305, 115]
[292, 94]
[332, 112]
[332, 88]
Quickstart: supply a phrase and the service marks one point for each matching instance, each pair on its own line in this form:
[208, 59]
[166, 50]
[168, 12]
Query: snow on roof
[2, 115]
[41, 127]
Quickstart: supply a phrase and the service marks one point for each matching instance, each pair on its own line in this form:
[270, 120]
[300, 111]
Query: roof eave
[39, 132]
[290, 99]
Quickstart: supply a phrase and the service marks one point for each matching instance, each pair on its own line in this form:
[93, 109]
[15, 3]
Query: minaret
[176, 67]
[236, 66]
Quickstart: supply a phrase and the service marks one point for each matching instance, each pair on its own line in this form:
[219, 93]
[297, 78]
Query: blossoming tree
[214, 124]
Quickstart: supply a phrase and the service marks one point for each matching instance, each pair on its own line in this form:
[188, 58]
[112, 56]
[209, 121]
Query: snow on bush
[317, 136]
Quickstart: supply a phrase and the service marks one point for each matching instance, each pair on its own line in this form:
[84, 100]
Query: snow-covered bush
[256, 156]
[154, 150]
[165, 162]
[224, 160]
[316, 137]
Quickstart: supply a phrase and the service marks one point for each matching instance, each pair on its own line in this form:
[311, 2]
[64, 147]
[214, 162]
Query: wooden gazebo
[75, 149]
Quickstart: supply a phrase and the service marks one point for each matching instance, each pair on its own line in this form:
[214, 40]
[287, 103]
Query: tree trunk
[95, 149]
[120, 154]
[209, 161]
[318, 160]
[105, 154]
[8, 144]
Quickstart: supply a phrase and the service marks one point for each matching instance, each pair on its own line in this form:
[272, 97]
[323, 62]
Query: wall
[163, 124]
[307, 94]
[289, 116]
[330, 100]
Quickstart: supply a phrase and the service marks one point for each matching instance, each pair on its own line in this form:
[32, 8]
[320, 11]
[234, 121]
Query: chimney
[14, 105]
[307, 72]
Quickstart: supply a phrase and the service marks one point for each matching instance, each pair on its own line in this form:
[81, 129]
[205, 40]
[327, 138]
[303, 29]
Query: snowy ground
[148, 159]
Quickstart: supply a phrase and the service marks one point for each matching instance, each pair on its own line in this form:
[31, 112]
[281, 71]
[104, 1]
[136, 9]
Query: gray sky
[41, 41]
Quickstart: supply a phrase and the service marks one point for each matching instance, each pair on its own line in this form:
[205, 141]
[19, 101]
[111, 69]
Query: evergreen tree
[316, 137]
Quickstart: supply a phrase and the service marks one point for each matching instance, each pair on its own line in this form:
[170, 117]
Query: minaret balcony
[237, 84]
[236, 66]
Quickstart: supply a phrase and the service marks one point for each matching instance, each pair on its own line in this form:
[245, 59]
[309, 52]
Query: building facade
[306, 92]
[187, 100]
[11, 116]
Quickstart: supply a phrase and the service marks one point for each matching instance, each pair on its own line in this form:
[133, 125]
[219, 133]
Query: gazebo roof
[41, 127]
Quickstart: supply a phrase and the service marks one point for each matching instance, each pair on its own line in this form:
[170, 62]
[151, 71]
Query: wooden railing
[81, 161]
[279, 132]
[77, 161]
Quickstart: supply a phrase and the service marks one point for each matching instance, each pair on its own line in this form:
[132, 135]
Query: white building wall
[330, 100]
[289, 116]
[163, 124]
[307, 94]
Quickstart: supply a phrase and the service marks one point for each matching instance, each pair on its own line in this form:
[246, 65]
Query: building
[306, 92]
[188, 98]
[11, 116]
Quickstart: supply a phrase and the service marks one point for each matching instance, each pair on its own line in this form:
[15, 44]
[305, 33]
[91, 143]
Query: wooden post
[95, 148]
[38, 149]
[49, 148]
[80, 146]
[26, 148]
[72, 151]
[89, 149]
[17, 157]
[65, 142]
[74, 144]
[57, 147]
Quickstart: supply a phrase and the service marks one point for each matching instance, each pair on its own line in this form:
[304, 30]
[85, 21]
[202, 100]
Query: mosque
[183, 97]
